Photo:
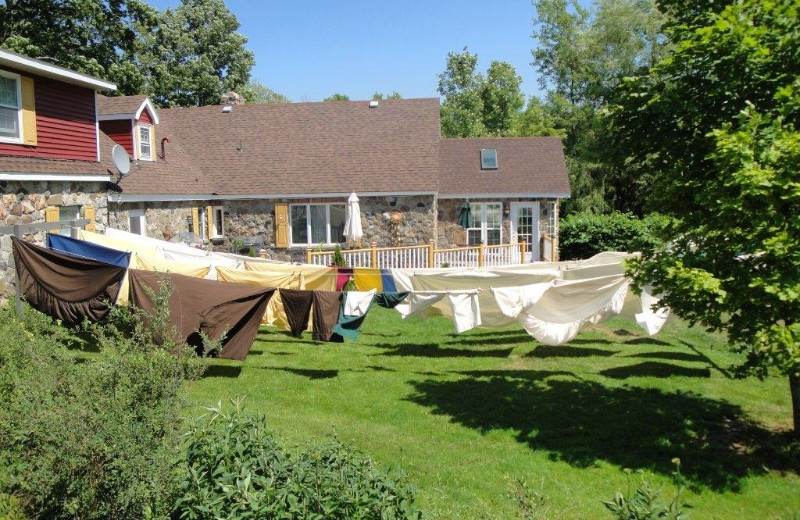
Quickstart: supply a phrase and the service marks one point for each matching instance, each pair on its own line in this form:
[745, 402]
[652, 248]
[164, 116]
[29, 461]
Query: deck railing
[423, 256]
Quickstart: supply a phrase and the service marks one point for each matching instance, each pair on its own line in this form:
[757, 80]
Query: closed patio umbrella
[352, 222]
[465, 217]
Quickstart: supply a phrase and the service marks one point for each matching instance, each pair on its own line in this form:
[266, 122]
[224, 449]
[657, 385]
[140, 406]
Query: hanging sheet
[275, 315]
[212, 307]
[314, 276]
[67, 287]
[86, 249]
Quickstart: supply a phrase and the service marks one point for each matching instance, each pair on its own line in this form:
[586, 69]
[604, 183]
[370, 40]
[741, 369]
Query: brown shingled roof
[32, 165]
[109, 105]
[526, 166]
[311, 148]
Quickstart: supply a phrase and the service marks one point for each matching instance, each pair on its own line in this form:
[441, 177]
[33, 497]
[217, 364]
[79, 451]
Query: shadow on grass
[434, 350]
[648, 342]
[503, 340]
[380, 369]
[222, 371]
[583, 422]
[308, 372]
[672, 356]
[546, 351]
[591, 341]
[655, 369]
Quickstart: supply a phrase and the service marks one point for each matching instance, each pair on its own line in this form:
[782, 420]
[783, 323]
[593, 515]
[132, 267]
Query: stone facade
[26, 203]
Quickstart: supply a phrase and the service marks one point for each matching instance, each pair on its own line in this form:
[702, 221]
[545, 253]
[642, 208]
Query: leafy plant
[236, 470]
[644, 504]
[583, 235]
[91, 435]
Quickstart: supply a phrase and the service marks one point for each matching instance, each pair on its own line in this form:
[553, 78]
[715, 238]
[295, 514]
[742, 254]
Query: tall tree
[255, 92]
[475, 105]
[337, 97]
[101, 38]
[719, 123]
[582, 55]
[196, 55]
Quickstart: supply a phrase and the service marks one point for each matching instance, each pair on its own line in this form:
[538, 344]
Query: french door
[525, 226]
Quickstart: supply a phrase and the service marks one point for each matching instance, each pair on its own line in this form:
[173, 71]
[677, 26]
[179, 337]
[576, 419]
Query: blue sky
[310, 49]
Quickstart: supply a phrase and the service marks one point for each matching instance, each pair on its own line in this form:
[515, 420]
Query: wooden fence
[420, 257]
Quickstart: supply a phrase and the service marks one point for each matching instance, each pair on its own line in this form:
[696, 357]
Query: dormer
[131, 122]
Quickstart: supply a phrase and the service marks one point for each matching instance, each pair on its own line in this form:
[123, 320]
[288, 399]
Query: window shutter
[209, 222]
[88, 213]
[281, 225]
[196, 222]
[28, 112]
[51, 215]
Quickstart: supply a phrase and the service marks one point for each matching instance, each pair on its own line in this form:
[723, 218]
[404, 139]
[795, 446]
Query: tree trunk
[794, 387]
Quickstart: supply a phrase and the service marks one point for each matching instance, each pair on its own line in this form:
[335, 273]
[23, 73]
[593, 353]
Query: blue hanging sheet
[88, 250]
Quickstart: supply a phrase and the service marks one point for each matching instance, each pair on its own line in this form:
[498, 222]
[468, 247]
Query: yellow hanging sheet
[367, 279]
[275, 315]
[315, 277]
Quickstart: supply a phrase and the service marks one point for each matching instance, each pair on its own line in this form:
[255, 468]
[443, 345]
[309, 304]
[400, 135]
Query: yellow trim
[29, 136]
[88, 213]
[196, 221]
[209, 222]
[51, 214]
[281, 225]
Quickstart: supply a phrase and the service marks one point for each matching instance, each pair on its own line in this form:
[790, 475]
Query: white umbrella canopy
[352, 222]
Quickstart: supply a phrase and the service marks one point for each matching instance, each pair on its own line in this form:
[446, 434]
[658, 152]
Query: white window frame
[217, 211]
[138, 214]
[487, 155]
[480, 210]
[139, 142]
[20, 133]
[309, 231]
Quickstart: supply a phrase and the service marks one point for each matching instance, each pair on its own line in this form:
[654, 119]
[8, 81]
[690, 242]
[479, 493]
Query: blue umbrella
[465, 217]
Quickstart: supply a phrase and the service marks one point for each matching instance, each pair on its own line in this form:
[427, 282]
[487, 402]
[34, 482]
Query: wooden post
[481, 253]
[373, 255]
[431, 253]
[308, 255]
[18, 234]
[523, 250]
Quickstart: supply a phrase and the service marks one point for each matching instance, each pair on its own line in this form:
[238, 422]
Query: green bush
[582, 235]
[90, 436]
[644, 504]
[237, 471]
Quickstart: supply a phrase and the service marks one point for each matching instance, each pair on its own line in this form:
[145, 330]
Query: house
[50, 147]
[274, 176]
[279, 175]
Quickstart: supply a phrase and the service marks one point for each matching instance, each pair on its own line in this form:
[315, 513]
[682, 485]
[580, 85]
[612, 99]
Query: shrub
[90, 436]
[583, 235]
[644, 504]
[236, 470]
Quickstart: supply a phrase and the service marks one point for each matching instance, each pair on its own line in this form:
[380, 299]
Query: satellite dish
[121, 160]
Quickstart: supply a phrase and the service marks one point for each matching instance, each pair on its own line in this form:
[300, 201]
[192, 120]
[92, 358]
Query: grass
[469, 416]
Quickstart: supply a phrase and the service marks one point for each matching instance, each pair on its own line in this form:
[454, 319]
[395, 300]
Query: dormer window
[145, 136]
[488, 159]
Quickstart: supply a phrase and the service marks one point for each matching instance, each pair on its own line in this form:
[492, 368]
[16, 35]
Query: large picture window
[10, 107]
[487, 224]
[316, 223]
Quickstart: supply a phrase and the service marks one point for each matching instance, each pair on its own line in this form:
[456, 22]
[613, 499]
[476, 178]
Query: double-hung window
[316, 223]
[10, 107]
[146, 142]
[487, 223]
[217, 214]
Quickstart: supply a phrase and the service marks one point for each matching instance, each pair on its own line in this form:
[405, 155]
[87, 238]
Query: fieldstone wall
[26, 202]
[162, 219]
[398, 221]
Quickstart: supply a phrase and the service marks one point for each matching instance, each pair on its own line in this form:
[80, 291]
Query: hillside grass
[469, 416]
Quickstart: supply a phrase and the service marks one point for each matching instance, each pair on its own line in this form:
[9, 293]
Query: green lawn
[466, 416]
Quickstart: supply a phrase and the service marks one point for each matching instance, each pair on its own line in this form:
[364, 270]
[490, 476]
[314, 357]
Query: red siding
[145, 117]
[121, 132]
[65, 123]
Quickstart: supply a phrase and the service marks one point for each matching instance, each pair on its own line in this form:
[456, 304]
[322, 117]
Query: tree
[337, 97]
[101, 38]
[719, 122]
[475, 106]
[377, 96]
[582, 56]
[196, 55]
[255, 92]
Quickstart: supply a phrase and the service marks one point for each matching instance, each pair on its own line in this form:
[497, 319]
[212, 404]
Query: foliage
[257, 93]
[583, 235]
[338, 257]
[475, 106]
[10, 508]
[196, 55]
[238, 471]
[337, 97]
[101, 38]
[643, 504]
[532, 504]
[718, 121]
[582, 55]
[377, 96]
[90, 435]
